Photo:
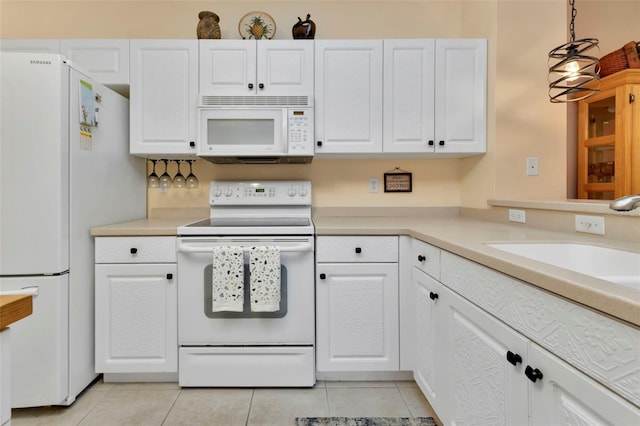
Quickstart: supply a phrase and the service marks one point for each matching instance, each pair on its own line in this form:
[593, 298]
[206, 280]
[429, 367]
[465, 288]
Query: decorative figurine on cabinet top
[304, 29]
[208, 26]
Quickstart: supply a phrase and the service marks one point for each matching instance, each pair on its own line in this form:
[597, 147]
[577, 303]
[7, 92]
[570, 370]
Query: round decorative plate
[257, 25]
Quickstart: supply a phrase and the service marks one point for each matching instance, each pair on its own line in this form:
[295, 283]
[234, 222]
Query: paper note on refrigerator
[86, 115]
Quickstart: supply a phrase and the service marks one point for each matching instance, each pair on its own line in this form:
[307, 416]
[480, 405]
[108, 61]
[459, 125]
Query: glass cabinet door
[609, 138]
[600, 145]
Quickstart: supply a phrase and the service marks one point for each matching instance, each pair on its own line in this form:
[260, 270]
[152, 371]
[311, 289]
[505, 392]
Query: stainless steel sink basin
[617, 266]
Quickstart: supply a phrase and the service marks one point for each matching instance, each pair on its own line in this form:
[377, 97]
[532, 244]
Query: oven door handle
[185, 248]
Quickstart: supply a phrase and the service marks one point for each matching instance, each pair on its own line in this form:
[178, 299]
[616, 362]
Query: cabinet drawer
[426, 258]
[135, 249]
[357, 249]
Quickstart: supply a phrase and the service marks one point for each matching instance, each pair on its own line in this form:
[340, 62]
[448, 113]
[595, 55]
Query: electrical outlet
[590, 224]
[373, 185]
[516, 216]
[532, 166]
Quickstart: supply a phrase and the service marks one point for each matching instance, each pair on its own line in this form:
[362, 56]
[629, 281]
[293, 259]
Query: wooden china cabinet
[609, 138]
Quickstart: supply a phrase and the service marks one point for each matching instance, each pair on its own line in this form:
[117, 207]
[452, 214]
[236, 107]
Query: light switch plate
[590, 224]
[532, 166]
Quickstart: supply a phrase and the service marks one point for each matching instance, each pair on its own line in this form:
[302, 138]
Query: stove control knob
[292, 192]
[217, 192]
[303, 192]
[228, 192]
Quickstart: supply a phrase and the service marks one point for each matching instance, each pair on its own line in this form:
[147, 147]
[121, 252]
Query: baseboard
[139, 377]
[360, 376]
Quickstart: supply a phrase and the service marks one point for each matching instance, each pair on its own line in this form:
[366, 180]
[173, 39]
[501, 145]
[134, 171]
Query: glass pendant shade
[573, 66]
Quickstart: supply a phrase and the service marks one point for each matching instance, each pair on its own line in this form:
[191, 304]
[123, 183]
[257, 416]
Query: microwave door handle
[186, 248]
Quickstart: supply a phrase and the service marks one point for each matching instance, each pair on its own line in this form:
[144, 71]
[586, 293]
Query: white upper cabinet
[256, 67]
[164, 91]
[348, 96]
[409, 94]
[461, 96]
[421, 96]
[33, 45]
[106, 60]
[435, 96]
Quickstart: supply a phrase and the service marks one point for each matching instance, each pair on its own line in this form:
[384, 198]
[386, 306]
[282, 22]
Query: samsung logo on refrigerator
[37, 62]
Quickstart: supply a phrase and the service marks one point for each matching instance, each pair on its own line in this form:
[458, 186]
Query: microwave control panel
[301, 132]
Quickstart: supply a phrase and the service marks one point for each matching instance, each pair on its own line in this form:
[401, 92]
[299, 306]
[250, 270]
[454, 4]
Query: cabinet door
[566, 396]
[136, 318]
[106, 60]
[608, 139]
[429, 323]
[285, 67]
[408, 93]
[482, 386]
[357, 317]
[460, 95]
[31, 45]
[348, 96]
[164, 90]
[228, 67]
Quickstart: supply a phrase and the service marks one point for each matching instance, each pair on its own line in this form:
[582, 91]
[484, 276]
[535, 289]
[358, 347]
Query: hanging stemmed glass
[165, 179]
[178, 180]
[153, 181]
[192, 180]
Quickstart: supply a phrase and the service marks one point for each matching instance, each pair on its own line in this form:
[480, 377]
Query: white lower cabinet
[429, 340]
[5, 376]
[357, 319]
[566, 396]
[136, 306]
[481, 386]
[480, 356]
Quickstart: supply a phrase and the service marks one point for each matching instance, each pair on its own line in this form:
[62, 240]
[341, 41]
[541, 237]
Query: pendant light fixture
[571, 68]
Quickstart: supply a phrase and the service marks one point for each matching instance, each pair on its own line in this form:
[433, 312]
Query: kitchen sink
[617, 266]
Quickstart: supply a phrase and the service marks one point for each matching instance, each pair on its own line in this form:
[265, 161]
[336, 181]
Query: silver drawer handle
[184, 248]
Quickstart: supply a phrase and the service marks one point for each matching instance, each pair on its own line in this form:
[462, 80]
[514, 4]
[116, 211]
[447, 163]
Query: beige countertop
[143, 227]
[467, 238]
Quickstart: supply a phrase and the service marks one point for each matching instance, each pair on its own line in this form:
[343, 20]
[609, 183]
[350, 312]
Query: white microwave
[255, 134]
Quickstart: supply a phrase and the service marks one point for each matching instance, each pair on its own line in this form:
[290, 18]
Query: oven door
[292, 324]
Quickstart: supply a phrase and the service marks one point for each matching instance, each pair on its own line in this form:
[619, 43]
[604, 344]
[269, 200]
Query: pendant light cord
[574, 12]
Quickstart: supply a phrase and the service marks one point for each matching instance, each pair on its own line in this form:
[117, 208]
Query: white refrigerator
[64, 168]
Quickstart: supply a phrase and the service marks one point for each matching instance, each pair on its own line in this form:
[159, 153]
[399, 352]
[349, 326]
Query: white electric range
[246, 348]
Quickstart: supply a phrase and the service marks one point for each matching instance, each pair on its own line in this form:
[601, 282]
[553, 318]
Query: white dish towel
[227, 276]
[264, 268]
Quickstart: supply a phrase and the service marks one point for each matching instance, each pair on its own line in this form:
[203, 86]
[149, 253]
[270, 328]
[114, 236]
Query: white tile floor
[167, 404]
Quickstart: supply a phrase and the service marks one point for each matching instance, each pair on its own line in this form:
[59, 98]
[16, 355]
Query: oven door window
[246, 312]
